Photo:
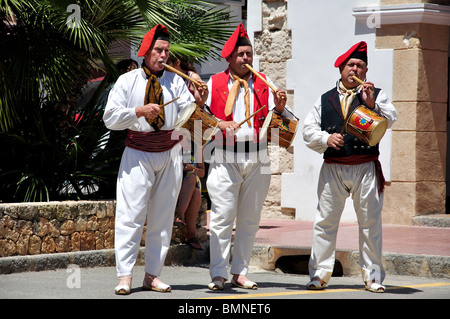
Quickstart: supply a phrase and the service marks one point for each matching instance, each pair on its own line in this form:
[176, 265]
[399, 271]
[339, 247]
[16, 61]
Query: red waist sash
[160, 141]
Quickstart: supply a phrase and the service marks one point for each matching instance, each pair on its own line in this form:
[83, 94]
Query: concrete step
[441, 220]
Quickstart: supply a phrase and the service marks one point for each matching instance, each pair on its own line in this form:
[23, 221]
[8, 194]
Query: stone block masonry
[59, 227]
[273, 47]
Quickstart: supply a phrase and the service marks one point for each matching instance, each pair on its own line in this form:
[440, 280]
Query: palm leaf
[45, 62]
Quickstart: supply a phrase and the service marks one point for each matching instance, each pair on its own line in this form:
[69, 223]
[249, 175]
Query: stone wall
[419, 136]
[273, 47]
[55, 227]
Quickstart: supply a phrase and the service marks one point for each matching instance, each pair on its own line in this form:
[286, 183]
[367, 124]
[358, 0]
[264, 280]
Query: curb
[177, 255]
[432, 221]
[264, 256]
[417, 265]
[92, 258]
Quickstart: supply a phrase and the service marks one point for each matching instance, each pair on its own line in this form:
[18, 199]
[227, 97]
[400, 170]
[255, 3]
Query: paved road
[189, 283]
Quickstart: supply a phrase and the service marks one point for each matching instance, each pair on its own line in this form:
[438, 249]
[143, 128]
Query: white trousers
[336, 183]
[147, 189]
[237, 185]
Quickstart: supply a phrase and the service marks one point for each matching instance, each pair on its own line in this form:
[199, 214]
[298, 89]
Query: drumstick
[159, 116]
[184, 75]
[169, 102]
[262, 79]
[248, 118]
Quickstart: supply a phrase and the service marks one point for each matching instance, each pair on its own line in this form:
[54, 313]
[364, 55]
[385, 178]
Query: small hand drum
[366, 125]
[201, 125]
[283, 128]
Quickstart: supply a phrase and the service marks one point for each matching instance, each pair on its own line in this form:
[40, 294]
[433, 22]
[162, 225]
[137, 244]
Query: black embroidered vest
[333, 120]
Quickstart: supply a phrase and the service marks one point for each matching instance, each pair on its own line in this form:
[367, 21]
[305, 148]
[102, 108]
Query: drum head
[265, 127]
[185, 115]
[378, 132]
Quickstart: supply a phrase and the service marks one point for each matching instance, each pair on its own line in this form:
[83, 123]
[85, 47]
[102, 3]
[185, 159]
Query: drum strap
[360, 159]
[160, 141]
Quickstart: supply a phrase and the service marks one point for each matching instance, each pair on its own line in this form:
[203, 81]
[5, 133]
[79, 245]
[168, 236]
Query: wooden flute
[183, 75]
[262, 79]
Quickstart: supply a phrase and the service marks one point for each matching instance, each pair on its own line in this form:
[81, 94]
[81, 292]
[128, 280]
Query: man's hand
[368, 94]
[279, 99]
[336, 141]
[228, 125]
[149, 111]
[200, 93]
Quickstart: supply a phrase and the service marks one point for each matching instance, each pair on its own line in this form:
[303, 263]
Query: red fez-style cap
[358, 51]
[157, 31]
[238, 38]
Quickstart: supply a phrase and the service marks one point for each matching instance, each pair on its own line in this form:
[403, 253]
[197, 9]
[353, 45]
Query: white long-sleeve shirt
[316, 139]
[128, 93]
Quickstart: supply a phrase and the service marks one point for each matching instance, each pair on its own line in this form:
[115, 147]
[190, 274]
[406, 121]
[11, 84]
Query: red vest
[219, 94]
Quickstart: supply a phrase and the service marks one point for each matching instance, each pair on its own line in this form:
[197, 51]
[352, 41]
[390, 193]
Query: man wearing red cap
[239, 175]
[350, 167]
[150, 172]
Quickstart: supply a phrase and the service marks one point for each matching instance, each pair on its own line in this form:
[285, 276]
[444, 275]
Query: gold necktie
[348, 98]
[233, 94]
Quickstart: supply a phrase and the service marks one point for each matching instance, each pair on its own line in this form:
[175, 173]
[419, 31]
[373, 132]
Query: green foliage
[51, 148]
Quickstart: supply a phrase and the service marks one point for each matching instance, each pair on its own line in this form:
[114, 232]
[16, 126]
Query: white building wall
[321, 31]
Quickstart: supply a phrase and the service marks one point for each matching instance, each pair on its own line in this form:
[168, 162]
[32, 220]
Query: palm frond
[46, 61]
[35, 189]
